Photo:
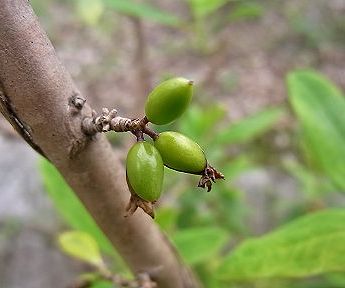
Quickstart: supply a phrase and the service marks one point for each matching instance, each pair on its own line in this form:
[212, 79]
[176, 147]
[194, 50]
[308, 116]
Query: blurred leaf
[95, 280]
[206, 275]
[312, 185]
[70, 207]
[336, 279]
[166, 218]
[198, 245]
[82, 246]
[89, 276]
[102, 284]
[197, 122]
[228, 207]
[191, 209]
[310, 245]
[188, 215]
[90, 11]
[143, 10]
[320, 107]
[202, 8]
[237, 166]
[250, 127]
[247, 11]
[305, 177]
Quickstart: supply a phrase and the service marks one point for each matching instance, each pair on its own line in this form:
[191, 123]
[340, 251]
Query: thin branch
[110, 121]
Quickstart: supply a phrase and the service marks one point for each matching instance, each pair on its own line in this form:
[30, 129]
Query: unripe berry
[181, 153]
[168, 100]
[145, 171]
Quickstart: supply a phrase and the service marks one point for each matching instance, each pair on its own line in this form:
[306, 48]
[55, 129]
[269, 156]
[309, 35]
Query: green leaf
[198, 245]
[144, 11]
[94, 279]
[202, 8]
[166, 218]
[310, 245]
[247, 129]
[102, 284]
[236, 166]
[70, 207]
[198, 122]
[320, 107]
[336, 279]
[82, 246]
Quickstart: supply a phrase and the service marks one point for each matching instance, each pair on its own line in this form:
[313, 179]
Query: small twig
[144, 121]
[153, 134]
[110, 121]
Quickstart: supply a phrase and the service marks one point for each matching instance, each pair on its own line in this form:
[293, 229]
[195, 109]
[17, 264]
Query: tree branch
[44, 97]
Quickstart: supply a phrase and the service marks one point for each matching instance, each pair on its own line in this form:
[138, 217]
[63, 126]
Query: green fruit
[145, 171]
[180, 153]
[168, 100]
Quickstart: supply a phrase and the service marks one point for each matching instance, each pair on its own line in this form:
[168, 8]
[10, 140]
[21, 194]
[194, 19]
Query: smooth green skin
[168, 100]
[145, 170]
[180, 153]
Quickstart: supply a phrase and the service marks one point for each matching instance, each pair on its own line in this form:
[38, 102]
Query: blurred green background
[268, 109]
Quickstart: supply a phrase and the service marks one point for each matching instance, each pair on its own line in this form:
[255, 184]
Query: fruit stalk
[110, 121]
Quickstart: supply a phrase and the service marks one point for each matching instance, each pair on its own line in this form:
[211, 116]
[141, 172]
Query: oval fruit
[145, 171]
[180, 153]
[168, 100]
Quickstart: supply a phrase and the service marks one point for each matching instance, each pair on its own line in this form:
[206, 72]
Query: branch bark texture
[40, 99]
